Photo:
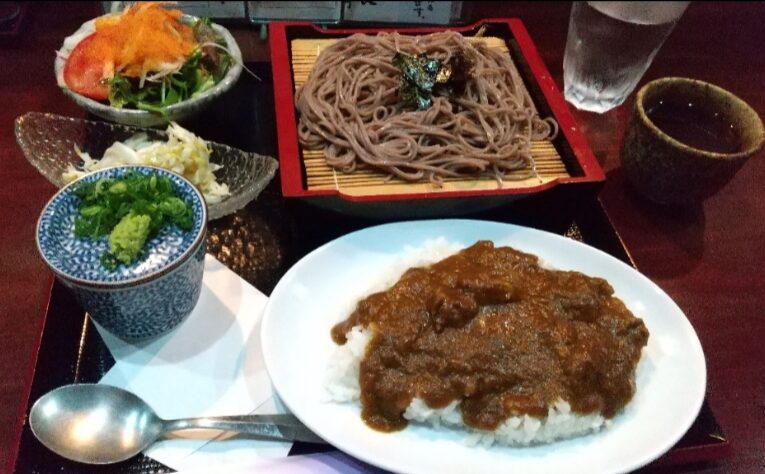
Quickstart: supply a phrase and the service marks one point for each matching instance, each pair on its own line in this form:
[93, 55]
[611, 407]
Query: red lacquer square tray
[579, 168]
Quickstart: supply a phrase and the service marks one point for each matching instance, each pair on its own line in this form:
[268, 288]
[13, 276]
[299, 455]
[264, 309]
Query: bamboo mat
[319, 176]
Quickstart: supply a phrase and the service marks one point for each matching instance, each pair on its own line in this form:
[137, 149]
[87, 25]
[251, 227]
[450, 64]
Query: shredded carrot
[141, 39]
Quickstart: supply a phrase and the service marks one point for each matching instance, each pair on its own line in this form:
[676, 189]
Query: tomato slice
[83, 70]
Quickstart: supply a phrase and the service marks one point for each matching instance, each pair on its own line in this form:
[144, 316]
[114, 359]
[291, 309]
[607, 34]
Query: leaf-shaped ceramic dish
[49, 142]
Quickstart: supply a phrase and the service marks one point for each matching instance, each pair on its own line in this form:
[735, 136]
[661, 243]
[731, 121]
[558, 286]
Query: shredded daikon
[183, 153]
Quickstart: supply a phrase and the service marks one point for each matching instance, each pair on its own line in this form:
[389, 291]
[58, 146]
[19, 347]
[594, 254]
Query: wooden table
[709, 258]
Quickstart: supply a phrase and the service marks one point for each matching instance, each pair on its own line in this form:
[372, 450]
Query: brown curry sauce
[491, 328]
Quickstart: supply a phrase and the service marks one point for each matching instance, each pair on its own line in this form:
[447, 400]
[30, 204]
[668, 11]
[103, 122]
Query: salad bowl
[144, 118]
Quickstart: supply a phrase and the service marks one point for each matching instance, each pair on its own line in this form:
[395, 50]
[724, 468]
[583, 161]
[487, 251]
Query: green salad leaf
[131, 209]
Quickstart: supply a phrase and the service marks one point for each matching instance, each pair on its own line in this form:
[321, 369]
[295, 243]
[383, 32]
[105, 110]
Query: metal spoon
[99, 424]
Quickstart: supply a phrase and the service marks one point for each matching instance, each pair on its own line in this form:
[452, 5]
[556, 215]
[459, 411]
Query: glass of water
[609, 47]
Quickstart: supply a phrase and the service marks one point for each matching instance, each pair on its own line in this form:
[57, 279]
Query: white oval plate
[323, 287]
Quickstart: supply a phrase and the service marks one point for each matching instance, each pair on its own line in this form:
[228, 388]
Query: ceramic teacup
[686, 139]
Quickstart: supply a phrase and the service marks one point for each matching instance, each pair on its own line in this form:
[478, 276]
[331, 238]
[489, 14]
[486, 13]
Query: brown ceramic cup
[668, 171]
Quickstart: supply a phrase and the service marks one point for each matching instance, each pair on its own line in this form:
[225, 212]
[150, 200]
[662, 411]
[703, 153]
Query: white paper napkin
[210, 365]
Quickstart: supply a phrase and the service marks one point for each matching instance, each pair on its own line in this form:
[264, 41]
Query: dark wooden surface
[709, 258]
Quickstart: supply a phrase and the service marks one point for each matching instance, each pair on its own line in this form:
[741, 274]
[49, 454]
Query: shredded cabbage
[183, 153]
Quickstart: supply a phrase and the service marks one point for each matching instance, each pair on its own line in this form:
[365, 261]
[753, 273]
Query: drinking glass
[609, 47]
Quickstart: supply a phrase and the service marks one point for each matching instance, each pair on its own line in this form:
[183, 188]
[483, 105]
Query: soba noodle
[350, 108]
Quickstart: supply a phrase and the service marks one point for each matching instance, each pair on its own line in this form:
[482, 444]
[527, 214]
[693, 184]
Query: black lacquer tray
[261, 241]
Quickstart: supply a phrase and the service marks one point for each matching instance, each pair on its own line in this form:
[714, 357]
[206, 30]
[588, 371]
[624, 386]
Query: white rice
[342, 380]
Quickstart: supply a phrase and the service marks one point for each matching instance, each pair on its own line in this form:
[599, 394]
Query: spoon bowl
[100, 424]
[95, 424]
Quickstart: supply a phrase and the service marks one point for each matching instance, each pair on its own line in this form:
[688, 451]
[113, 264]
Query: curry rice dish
[490, 341]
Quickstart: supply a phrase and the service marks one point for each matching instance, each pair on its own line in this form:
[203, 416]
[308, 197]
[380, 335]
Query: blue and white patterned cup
[145, 299]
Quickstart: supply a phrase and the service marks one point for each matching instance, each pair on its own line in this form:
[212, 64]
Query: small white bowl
[143, 118]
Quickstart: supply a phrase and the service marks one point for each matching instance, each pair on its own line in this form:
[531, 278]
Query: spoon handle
[281, 427]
